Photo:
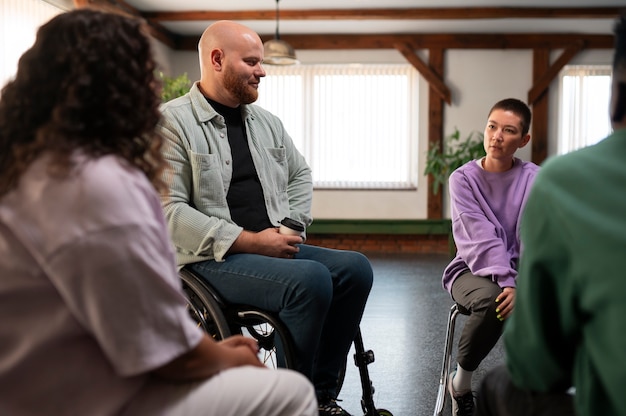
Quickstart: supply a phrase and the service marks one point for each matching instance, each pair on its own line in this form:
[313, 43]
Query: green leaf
[173, 87]
[456, 152]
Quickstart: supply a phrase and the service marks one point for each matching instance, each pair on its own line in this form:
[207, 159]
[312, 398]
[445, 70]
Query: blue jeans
[319, 295]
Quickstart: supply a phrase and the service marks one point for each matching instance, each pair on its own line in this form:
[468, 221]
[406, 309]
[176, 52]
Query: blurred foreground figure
[92, 311]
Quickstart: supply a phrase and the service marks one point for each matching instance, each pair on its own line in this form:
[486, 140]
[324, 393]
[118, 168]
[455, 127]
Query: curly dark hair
[87, 83]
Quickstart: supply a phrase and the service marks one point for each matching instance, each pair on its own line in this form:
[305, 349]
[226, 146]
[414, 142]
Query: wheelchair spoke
[199, 313]
[264, 334]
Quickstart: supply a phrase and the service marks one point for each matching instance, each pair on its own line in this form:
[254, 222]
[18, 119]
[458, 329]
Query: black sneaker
[329, 407]
[462, 402]
[463, 405]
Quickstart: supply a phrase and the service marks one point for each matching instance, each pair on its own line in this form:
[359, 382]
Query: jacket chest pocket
[279, 168]
[207, 181]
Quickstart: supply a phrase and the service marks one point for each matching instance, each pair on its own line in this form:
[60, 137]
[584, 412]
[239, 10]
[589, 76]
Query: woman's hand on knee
[210, 357]
[506, 303]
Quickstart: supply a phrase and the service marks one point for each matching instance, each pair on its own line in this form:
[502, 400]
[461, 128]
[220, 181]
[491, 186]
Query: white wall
[163, 56]
[480, 78]
[182, 62]
[476, 78]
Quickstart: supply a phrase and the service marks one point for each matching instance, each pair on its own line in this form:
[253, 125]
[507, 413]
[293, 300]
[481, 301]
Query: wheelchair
[221, 320]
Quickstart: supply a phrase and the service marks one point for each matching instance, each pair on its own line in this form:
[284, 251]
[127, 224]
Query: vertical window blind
[19, 21]
[356, 124]
[584, 106]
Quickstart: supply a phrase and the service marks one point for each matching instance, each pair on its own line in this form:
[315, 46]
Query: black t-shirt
[245, 196]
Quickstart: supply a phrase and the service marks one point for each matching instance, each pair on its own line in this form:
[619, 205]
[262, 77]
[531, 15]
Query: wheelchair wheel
[275, 344]
[204, 308]
[221, 320]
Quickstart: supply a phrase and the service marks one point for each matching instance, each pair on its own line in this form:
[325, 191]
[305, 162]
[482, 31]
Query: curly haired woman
[93, 316]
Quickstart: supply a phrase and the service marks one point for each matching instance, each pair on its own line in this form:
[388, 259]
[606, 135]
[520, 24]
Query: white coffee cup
[289, 226]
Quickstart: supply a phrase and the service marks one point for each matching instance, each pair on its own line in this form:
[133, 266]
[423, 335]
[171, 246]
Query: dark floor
[404, 324]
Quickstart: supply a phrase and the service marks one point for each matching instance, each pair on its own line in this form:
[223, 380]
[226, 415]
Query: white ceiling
[287, 26]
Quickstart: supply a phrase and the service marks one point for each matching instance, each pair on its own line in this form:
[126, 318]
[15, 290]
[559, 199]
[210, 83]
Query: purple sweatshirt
[486, 208]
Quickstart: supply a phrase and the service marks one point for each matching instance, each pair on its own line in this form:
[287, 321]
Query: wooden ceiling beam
[446, 41]
[382, 41]
[427, 41]
[542, 82]
[452, 13]
[434, 80]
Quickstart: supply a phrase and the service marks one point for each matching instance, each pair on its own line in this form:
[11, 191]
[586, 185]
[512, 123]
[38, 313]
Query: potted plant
[456, 152]
[173, 87]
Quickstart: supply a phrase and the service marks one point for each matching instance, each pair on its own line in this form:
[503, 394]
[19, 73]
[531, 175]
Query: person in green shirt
[566, 341]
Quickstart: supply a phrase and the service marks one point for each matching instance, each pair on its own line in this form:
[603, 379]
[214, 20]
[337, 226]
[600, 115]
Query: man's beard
[239, 87]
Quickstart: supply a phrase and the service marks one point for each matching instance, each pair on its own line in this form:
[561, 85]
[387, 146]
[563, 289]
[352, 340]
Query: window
[355, 124]
[19, 21]
[584, 103]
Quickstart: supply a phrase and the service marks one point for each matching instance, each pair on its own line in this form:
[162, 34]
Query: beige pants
[241, 391]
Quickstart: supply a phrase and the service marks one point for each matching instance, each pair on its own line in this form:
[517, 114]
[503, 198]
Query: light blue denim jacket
[200, 169]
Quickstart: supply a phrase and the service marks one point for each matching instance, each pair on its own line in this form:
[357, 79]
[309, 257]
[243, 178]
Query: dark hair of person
[516, 107]
[619, 66]
[86, 84]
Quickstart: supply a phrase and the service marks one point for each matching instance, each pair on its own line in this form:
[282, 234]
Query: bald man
[234, 175]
